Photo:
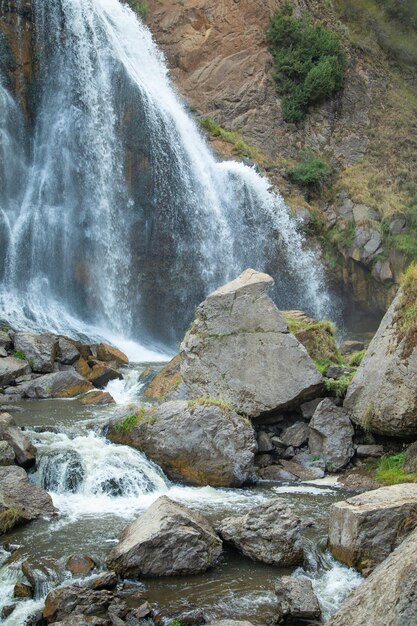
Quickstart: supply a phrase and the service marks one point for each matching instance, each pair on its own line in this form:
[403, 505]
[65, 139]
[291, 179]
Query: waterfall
[123, 219]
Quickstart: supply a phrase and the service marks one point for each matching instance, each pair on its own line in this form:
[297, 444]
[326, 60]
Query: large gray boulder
[269, 533]
[365, 529]
[296, 599]
[39, 350]
[239, 348]
[167, 540]
[388, 597]
[24, 451]
[382, 397]
[197, 442]
[12, 368]
[67, 384]
[331, 435]
[20, 500]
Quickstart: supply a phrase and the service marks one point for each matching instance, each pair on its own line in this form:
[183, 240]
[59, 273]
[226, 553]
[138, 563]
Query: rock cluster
[50, 366]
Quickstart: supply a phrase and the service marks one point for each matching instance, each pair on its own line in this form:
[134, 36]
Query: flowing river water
[99, 487]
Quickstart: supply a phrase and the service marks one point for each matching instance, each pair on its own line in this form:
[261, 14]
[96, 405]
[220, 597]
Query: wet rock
[67, 384]
[364, 451]
[278, 473]
[197, 442]
[67, 352]
[105, 352]
[296, 435]
[238, 330]
[365, 529]
[7, 455]
[167, 540]
[296, 599]
[25, 452]
[76, 600]
[7, 610]
[22, 591]
[42, 572]
[20, 500]
[387, 597]
[351, 346]
[269, 533]
[39, 350]
[102, 373]
[97, 398]
[382, 397]
[61, 470]
[165, 382]
[107, 580]
[11, 368]
[331, 434]
[303, 473]
[80, 564]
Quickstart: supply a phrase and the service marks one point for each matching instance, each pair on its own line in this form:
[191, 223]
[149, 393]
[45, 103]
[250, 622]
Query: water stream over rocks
[99, 487]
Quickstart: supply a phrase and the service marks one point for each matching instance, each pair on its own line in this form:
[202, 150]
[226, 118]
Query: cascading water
[125, 219]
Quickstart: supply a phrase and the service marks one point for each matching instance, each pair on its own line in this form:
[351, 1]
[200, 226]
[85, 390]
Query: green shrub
[140, 7]
[20, 355]
[338, 387]
[309, 62]
[240, 147]
[310, 171]
[390, 470]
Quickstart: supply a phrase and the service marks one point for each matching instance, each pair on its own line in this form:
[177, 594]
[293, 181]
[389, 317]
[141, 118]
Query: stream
[99, 487]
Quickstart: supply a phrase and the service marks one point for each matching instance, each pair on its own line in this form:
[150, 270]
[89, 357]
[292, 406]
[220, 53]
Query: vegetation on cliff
[309, 62]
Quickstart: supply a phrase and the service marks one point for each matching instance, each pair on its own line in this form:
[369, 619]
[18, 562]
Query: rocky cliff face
[219, 59]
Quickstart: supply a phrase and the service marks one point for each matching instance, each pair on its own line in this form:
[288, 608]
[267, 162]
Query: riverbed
[99, 487]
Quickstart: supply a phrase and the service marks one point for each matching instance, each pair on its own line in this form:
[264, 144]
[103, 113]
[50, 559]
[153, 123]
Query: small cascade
[332, 581]
[87, 474]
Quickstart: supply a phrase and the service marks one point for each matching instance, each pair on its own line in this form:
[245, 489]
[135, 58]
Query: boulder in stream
[296, 599]
[199, 442]
[167, 540]
[388, 597]
[67, 384]
[20, 500]
[24, 451]
[239, 348]
[365, 529]
[269, 533]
